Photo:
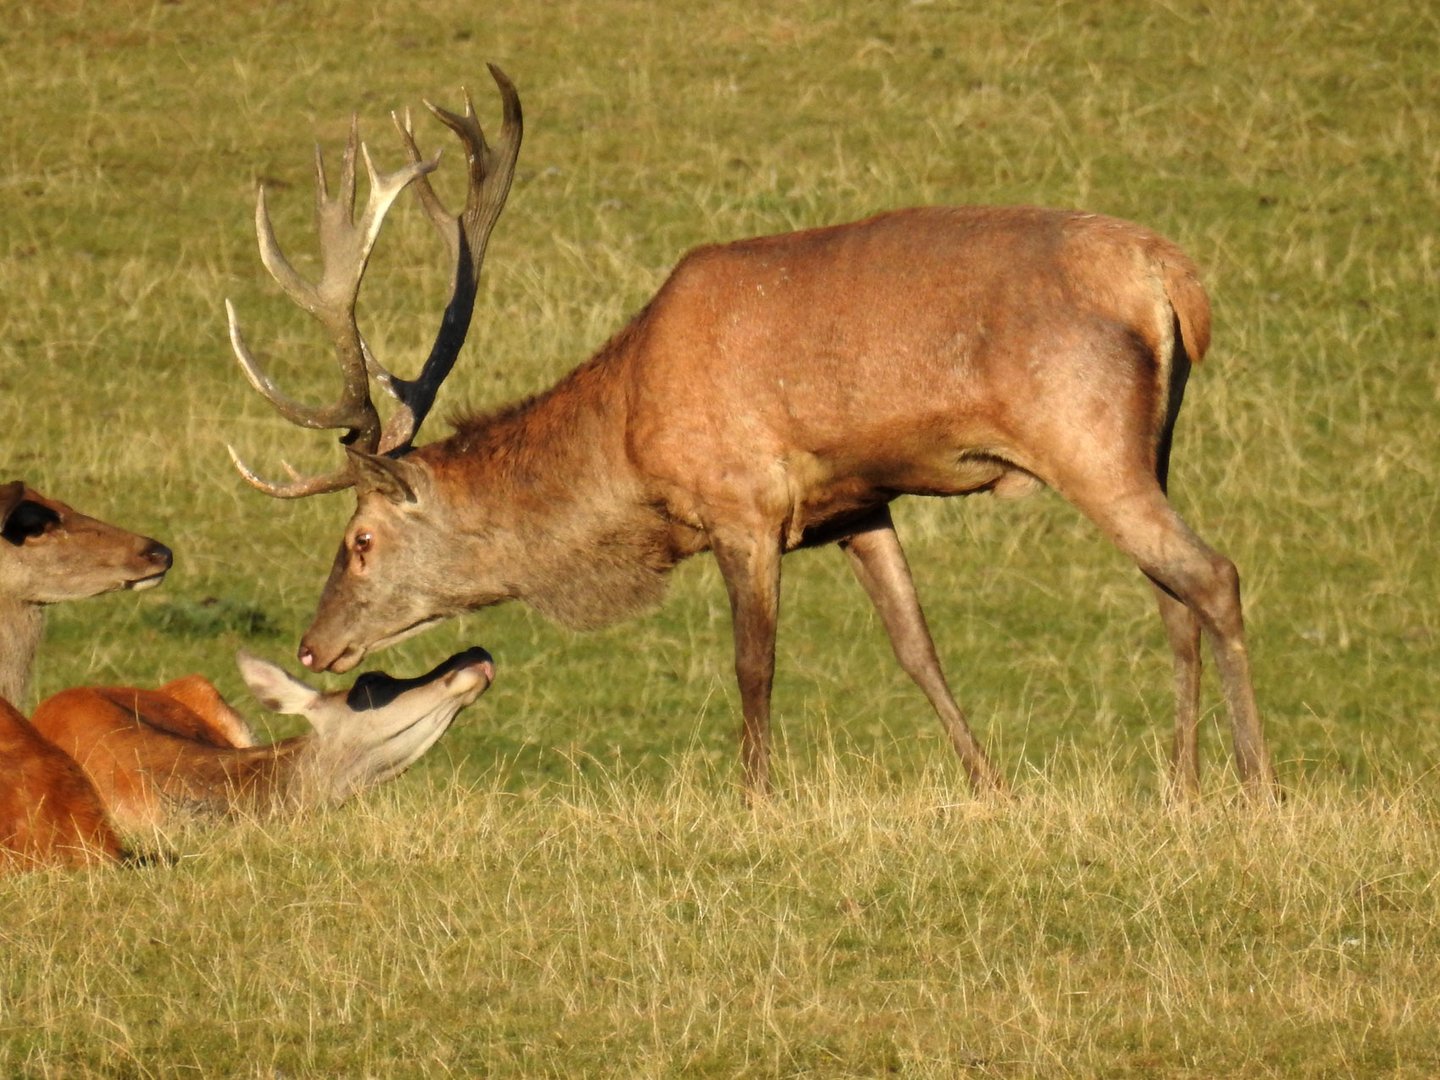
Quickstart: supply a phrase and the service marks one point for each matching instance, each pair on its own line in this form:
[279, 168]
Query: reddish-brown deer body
[808, 379]
[50, 813]
[156, 755]
[782, 391]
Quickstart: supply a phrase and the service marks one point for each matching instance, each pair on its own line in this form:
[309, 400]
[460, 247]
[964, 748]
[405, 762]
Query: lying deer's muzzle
[383, 724]
[470, 671]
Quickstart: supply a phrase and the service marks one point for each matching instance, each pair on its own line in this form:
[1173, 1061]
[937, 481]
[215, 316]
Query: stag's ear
[11, 496]
[273, 686]
[382, 475]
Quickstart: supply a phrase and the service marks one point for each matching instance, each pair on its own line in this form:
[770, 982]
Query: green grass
[569, 885]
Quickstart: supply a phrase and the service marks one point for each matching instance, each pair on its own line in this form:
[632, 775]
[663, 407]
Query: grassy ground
[606, 926]
[569, 885]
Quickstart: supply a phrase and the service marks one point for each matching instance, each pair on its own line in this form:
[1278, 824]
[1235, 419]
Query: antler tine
[287, 407]
[345, 247]
[347, 168]
[385, 188]
[297, 488]
[291, 410]
[491, 171]
[446, 223]
[490, 174]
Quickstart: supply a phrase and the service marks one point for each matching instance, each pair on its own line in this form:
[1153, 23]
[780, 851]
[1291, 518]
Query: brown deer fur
[51, 553]
[156, 756]
[150, 755]
[780, 392]
[50, 813]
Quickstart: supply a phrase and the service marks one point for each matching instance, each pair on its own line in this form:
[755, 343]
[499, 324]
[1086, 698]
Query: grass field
[569, 884]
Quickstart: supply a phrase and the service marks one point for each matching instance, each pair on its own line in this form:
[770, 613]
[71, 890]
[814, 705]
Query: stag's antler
[345, 247]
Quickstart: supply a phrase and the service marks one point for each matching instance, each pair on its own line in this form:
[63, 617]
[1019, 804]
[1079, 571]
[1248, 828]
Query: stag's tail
[1191, 338]
[1188, 301]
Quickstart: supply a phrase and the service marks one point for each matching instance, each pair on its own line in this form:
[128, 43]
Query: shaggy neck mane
[591, 393]
[553, 470]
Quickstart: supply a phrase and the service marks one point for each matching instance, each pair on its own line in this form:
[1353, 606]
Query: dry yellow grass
[606, 925]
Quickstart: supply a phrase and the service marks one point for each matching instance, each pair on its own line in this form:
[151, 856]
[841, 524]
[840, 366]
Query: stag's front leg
[879, 562]
[751, 568]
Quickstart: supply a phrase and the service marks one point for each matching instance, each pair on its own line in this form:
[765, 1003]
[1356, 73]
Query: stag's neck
[21, 625]
[553, 442]
[554, 474]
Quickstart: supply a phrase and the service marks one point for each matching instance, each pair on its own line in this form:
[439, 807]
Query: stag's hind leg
[1182, 628]
[879, 562]
[1144, 525]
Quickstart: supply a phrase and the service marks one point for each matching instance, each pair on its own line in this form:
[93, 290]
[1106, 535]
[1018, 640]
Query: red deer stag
[776, 393]
[50, 814]
[158, 755]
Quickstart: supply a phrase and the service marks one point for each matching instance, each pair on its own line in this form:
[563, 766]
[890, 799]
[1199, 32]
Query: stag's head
[50, 553]
[392, 576]
[402, 566]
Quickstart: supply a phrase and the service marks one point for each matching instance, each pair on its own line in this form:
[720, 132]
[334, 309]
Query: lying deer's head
[376, 729]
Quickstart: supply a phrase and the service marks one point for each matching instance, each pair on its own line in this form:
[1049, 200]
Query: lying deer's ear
[382, 475]
[273, 686]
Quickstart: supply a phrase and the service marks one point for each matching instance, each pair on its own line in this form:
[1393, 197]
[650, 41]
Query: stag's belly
[827, 498]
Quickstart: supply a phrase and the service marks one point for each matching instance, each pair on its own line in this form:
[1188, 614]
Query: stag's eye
[360, 545]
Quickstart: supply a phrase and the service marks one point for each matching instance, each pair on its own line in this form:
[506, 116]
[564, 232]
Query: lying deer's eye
[363, 540]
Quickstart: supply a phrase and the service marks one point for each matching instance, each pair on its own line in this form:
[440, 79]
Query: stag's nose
[306, 656]
[159, 554]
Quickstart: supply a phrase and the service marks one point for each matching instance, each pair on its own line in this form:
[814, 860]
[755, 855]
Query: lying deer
[776, 393]
[50, 813]
[157, 755]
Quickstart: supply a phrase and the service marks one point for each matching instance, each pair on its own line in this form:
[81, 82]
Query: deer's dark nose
[159, 554]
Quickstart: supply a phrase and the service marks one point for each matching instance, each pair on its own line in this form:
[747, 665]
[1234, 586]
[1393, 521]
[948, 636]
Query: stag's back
[934, 297]
[884, 351]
